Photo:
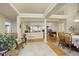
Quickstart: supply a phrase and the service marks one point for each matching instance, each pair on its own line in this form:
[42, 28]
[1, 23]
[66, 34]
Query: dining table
[75, 40]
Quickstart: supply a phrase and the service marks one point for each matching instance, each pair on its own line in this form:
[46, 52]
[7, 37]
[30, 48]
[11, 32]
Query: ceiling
[31, 7]
[59, 9]
[34, 8]
[7, 11]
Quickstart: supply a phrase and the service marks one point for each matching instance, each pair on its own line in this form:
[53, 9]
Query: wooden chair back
[61, 38]
[61, 35]
[76, 33]
[67, 38]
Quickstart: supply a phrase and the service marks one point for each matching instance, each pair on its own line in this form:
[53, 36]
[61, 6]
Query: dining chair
[68, 41]
[61, 39]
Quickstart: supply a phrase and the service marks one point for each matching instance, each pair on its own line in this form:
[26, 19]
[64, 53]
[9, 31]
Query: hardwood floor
[51, 42]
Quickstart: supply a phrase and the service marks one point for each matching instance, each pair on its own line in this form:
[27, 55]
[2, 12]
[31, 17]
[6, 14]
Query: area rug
[37, 49]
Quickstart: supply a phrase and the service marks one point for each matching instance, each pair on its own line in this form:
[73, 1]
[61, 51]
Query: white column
[45, 39]
[18, 28]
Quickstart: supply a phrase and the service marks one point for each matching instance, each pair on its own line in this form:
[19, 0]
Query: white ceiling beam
[48, 10]
[14, 8]
[58, 16]
[52, 8]
[29, 15]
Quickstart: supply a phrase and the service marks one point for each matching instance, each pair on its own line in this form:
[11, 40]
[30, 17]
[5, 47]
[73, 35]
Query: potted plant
[7, 42]
[3, 45]
[72, 29]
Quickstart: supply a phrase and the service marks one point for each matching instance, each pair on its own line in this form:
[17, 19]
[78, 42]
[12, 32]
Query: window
[7, 27]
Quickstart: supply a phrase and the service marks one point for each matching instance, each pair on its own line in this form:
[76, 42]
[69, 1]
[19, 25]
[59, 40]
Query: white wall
[70, 10]
[2, 24]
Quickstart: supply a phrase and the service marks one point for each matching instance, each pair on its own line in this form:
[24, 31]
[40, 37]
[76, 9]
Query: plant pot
[3, 49]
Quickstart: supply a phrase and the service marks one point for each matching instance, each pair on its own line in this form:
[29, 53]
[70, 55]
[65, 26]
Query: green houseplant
[7, 42]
